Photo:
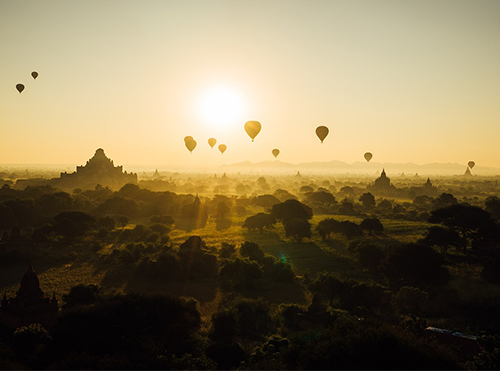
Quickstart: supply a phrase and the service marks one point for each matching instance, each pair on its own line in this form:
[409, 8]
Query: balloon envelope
[191, 145]
[222, 148]
[368, 156]
[471, 164]
[322, 132]
[276, 152]
[212, 142]
[252, 128]
[20, 88]
[188, 138]
[34, 74]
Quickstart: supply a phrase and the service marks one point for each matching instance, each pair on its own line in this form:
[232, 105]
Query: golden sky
[410, 81]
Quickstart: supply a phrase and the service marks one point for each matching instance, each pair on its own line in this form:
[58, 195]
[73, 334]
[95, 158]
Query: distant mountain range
[359, 167]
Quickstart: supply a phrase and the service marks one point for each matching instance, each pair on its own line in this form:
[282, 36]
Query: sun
[221, 107]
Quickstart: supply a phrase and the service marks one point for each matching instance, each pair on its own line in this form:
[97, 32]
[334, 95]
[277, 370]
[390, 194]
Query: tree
[423, 201]
[224, 325]
[252, 251]
[348, 191]
[414, 265]
[369, 256]
[254, 318]
[240, 210]
[328, 226]
[198, 262]
[259, 221]
[81, 295]
[52, 203]
[17, 211]
[351, 344]
[306, 189]
[243, 273]
[492, 204]
[444, 200]
[222, 209]
[368, 200]
[298, 228]
[123, 220]
[72, 224]
[129, 190]
[372, 225]
[347, 207]
[322, 197]
[366, 296]
[491, 271]
[240, 189]
[265, 201]
[291, 209]
[130, 326]
[106, 222]
[120, 206]
[410, 300]
[444, 238]
[332, 287]
[163, 219]
[350, 229]
[283, 195]
[27, 339]
[464, 219]
[385, 204]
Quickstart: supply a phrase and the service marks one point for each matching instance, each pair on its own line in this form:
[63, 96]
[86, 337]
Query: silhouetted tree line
[246, 267]
[102, 331]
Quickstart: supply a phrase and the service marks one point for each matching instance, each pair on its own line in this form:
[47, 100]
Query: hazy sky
[410, 81]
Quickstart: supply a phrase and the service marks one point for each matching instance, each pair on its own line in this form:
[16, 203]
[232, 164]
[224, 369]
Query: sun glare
[221, 107]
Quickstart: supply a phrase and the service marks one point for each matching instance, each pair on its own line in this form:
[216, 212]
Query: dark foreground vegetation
[281, 273]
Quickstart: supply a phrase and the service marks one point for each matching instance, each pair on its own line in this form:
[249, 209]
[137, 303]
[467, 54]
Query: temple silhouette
[429, 189]
[382, 186]
[29, 305]
[98, 170]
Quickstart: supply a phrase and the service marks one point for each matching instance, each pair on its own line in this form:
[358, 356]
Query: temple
[428, 189]
[98, 170]
[382, 185]
[29, 305]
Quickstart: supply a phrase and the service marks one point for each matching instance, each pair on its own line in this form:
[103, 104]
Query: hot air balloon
[276, 152]
[368, 156]
[20, 88]
[188, 138]
[322, 132]
[222, 148]
[212, 142]
[252, 128]
[471, 164]
[34, 74]
[191, 145]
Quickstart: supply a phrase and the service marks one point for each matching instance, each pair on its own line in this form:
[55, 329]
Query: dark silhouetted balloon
[188, 138]
[471, 164]
[222, 148]
[368, 156]
[212, 142]
[191, 145]
[276, 152]
[34, 74]
[20, 88]
[322, 132]
[252, 128]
